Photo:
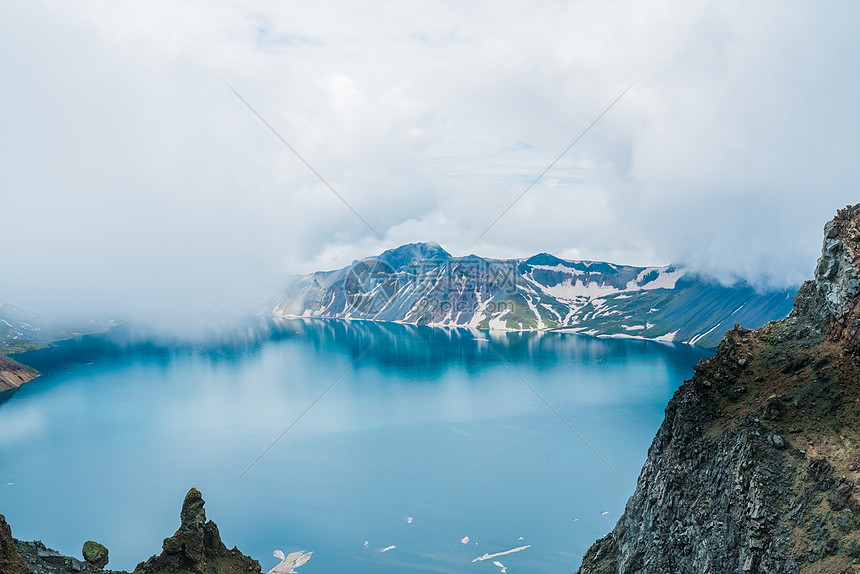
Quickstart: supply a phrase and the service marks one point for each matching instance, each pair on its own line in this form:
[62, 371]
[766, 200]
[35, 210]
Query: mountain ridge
[423, 284]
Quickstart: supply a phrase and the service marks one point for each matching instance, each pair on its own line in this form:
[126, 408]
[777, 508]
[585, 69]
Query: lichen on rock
[95, 554]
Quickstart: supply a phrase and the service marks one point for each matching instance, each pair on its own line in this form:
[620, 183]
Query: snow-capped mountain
[423, 284]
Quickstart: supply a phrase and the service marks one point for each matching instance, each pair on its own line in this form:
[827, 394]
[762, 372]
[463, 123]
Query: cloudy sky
[131, 176]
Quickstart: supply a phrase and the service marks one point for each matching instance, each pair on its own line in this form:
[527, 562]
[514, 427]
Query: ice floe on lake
[497, 554]
[290, 562]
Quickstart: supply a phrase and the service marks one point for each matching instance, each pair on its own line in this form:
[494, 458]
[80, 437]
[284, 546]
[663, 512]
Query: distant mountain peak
[411, 253]
[423, 284]
[545, 259]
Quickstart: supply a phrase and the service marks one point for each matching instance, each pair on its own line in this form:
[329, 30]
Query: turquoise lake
[426, 437]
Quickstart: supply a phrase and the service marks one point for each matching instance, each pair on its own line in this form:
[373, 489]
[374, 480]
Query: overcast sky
[132, 177]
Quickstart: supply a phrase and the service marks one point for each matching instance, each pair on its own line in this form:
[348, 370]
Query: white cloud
[129, 172]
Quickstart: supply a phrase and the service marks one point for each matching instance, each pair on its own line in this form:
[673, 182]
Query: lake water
[429, 437]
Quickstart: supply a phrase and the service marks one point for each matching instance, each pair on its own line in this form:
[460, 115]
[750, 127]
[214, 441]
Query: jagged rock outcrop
[196, 547]
[756, 465]
[13, 374]
[10, 561]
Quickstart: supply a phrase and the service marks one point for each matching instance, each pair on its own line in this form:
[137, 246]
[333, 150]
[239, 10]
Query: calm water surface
[429, 424]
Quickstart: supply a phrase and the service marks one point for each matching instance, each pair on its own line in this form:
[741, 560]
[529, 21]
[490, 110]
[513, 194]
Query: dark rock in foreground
[10, 561]
[755, 466]
[196, 547]
[95, 554]
[42, 560]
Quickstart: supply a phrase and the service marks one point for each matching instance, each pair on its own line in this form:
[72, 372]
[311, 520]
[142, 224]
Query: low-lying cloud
[135, 184]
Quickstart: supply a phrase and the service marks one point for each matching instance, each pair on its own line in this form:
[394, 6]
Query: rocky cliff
[756, 465]
[14, 374]
[10, 561]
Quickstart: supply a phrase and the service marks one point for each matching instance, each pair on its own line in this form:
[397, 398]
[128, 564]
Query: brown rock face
[13, 374]
[10, 562]
[196, 547]
[756, 466]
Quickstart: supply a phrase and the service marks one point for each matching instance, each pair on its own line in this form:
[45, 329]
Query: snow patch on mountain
[422, 284]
